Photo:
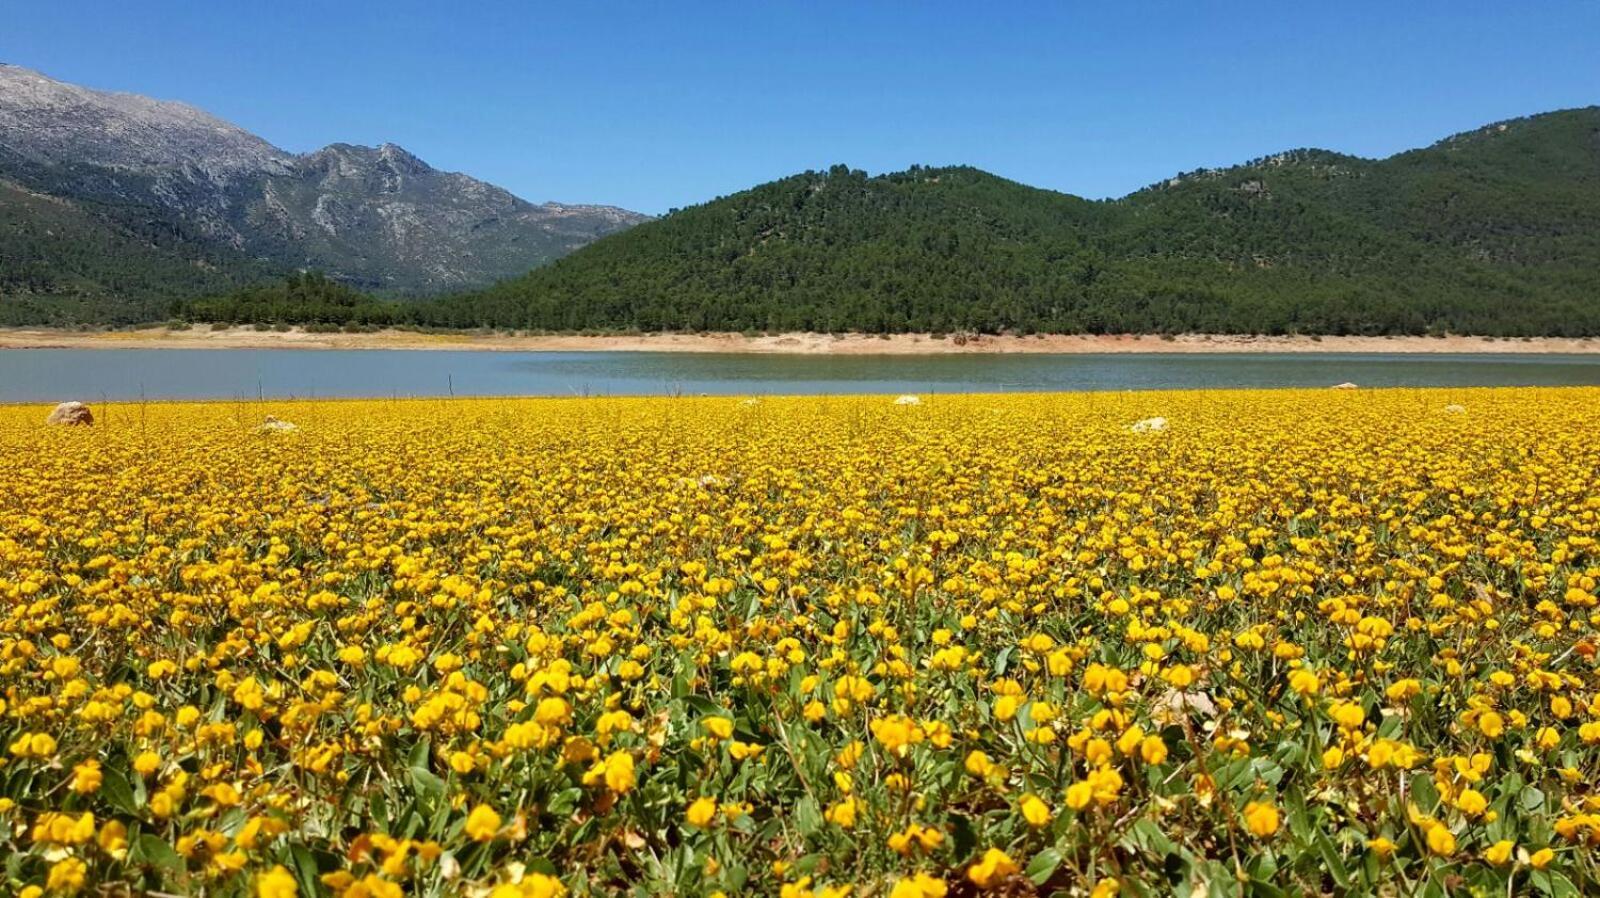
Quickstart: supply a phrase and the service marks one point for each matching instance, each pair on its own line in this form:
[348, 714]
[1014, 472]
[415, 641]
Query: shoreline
[779, 344]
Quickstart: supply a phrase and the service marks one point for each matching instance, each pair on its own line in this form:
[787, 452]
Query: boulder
[273, 425]
[1176, 706]
[1149, 425]
[908, 400]
[71, 414]
[1347, 385]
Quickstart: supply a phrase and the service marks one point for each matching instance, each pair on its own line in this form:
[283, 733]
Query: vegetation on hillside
[67, 262]
[306, 298]
[1494, 232]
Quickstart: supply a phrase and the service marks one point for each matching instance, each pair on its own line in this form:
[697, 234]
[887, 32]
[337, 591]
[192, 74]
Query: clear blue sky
[654, 105]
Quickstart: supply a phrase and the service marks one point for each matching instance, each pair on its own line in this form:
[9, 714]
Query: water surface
[49, 375]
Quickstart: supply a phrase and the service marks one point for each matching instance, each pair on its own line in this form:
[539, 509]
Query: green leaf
[563, 803]
[1262, 887]
[1146, 835]
[542, 865]
[305, 870]
[1299, 817]
[1549, 882]
[807, 816]
[1043, 866]
[1332, 861]
[117, 791]
[1001, 660]
[159, 854]
[1532, 798]
[428, 786]
[1424, 793]
[703, 706]
[419, 755]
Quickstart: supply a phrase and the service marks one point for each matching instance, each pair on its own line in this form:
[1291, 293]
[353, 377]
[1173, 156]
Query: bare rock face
[373, 217]
[71, 414]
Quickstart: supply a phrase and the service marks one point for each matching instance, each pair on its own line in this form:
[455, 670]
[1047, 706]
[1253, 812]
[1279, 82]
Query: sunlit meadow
[1298, 642]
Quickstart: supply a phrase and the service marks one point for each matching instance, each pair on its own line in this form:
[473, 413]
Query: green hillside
[65, 261]
[1495, 231]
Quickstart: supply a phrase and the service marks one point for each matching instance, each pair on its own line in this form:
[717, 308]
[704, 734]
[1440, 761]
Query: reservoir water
[50, 375]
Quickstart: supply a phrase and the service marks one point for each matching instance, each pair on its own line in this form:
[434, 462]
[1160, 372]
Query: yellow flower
[1491, 724]
[720, 727]
[918, 885]
[34, 745]
[113, 839]
[1079, 794]
[842, 814]
[702, 811]
[1440, 840]
[86, 778]
[1034, 810]
[67, 876]
[146, 763]
[1347, 714]
[1261, 818]
[538, 885]
[276, 883]
[483, 824]
[896, 733]
[1499, 853]
[1541, 859]
[992, 869]
[619, 772]
[1304, 682]
[978, 764]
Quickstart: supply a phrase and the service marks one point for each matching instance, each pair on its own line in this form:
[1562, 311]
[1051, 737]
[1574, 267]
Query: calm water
[49, 375]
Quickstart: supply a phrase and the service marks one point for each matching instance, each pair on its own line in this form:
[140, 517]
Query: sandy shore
[798, 344]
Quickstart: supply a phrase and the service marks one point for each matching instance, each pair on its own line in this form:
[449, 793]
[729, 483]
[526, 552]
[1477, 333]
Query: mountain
[1494, 231]
[195, 193]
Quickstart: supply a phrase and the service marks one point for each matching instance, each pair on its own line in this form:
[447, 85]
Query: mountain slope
[376, 217]
[63, 262]
[1494, 231]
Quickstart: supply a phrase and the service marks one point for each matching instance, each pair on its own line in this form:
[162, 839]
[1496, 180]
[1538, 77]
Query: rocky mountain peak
[378, 217]
[52, 121]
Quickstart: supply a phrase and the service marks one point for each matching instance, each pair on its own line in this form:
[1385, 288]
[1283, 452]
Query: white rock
[71, 414]
[1149, 425]
[273, 425]
[908, 400]
[1347, 385]
[1174, 707]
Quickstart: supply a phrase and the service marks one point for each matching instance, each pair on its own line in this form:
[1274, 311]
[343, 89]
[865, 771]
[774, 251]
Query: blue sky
[656, 105]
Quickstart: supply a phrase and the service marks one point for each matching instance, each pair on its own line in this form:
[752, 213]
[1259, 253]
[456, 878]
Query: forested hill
[1494, 231]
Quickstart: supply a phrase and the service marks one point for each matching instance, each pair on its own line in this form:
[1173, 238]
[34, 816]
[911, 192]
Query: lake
[50, 375]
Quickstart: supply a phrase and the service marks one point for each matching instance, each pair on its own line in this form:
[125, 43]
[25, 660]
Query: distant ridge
[1491, 231]
[184, 200]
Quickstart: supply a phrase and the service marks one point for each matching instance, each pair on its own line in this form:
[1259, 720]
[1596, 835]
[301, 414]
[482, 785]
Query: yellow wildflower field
[1297, 642]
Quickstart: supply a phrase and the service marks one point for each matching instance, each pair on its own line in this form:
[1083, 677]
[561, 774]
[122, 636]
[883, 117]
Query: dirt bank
[797, 344]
